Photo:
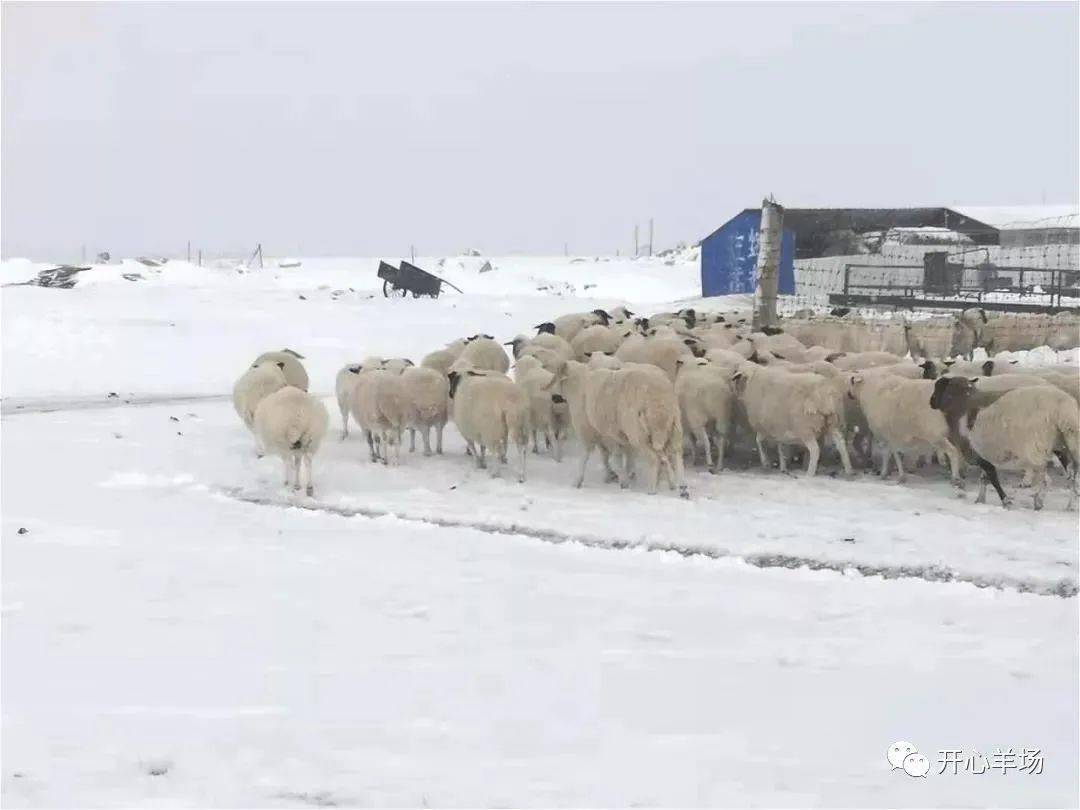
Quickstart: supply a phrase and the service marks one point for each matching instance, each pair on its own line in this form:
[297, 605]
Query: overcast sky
[359, 129]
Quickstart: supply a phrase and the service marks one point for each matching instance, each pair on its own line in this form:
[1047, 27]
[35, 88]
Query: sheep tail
[1069, 431]
[294, 435]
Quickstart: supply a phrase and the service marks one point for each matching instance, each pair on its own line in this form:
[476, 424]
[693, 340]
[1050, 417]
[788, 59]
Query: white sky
[359, 129]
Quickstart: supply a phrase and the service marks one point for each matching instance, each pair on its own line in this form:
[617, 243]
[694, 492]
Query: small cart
[398, 282]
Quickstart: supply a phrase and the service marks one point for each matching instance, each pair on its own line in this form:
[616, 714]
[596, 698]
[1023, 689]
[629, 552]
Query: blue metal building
[729, 257]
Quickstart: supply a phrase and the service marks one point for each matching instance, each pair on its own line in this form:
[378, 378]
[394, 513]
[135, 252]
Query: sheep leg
[384, 447]
[701, 437]
[310, 488]
[536, 441]
[814, 451]
[438, 439]
[425, 435]
[781, 451]
[296, 472]
[558, 446]
[885, 459]
[412, 440]
[841, 448]
[954, 465]
[344, 406]
[523, 454]
[288, 472]
[610, 474]
[989, 473]
[481, 457]
[371, 444]
[718, 460]
[398, 441]
[901, 475]
[761, 451]
[675, 465]
[584, 461]
[1074, 489]
[1039, 484]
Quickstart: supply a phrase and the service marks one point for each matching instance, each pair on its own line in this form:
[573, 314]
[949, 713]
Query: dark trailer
[398, 282]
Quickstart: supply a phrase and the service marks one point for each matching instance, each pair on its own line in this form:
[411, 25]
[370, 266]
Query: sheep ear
[281, 365]
[408, 362]
[558, 399]
[588, 354]
[609, 354]
[355, 369]
[857, 379]
[973, 380]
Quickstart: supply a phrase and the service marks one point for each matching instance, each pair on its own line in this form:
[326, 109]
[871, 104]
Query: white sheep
[396, 365]
[490, 411]
[292, 423]
[1021, 430]
[483, 352]
[899, 414]
[664, 353]
[791, 409]
[442, 359]
[567, 326]
[597, 338]
[295, 373]
[427, 398]
[706, 405]
[380, 408]
[631, 410]
[254, 385]
[344, 383]
[548, 412]
[857, 361]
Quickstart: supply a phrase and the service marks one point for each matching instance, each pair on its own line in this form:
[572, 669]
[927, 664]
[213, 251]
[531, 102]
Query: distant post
[189, 251]
[200, 257]
[770, 239]
[650, 235]
[412, 254]
[636, 253]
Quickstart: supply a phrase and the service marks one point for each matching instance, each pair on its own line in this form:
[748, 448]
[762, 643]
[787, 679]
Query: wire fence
[935, 300]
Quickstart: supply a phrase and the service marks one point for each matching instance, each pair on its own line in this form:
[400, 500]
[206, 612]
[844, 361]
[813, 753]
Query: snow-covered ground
[179, 631]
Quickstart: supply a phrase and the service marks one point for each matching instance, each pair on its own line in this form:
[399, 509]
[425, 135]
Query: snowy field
[179, 631]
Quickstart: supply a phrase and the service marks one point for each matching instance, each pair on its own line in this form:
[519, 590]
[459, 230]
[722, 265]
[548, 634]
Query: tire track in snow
[16, 406]
[1064, 587]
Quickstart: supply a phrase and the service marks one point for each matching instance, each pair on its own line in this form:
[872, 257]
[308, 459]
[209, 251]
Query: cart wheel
[415, 294]
[389, 291]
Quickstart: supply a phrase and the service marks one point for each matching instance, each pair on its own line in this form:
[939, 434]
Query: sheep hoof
[684, 493]
[1007, 503]
[311, 492]
[981, 498]
[609, 477]
[344, 436]
[1037, 502]
[427, 453]
[521, 479]
[259, 455]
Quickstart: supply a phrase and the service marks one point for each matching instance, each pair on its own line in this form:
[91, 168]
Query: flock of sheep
[649, 390]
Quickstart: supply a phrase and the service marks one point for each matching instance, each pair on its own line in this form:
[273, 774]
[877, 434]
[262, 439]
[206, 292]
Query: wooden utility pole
[636, 241]
[189, 251]
[650, 235]
[200, 257]
[412, 254]
[770, 240]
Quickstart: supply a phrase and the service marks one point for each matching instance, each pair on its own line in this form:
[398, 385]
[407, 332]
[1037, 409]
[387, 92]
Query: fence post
[847, 281]
[770, 239]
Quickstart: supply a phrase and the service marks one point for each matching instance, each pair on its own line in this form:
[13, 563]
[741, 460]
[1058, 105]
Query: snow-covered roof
[1022, 217]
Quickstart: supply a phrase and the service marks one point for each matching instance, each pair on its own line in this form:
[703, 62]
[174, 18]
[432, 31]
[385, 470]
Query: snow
[1019, 217]
[178, 630]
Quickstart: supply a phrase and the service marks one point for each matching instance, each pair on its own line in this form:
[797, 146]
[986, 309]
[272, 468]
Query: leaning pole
[770, 238]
